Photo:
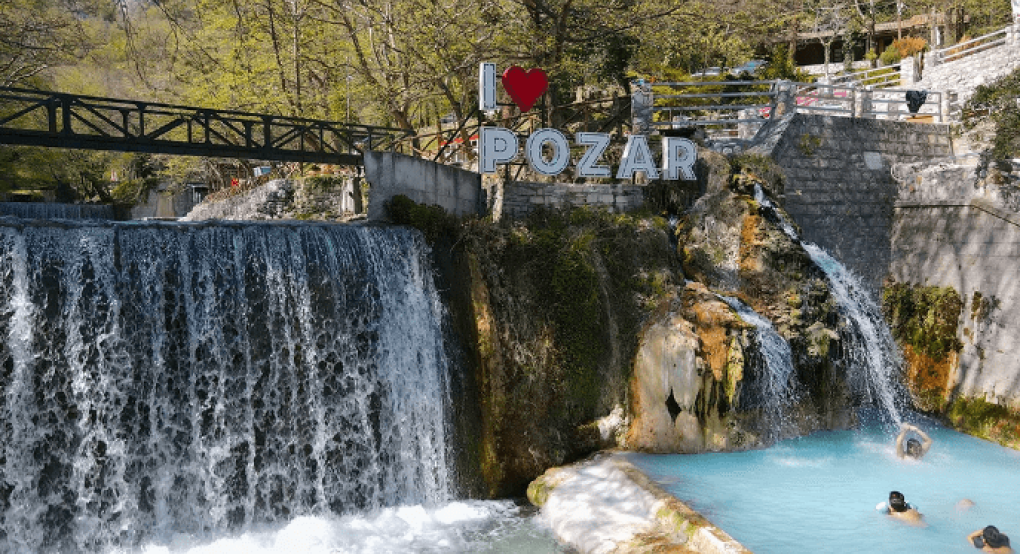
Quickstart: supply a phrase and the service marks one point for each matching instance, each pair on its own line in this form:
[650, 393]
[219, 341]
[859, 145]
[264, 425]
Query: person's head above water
[993, 537]
[914, 448]
[897, 503]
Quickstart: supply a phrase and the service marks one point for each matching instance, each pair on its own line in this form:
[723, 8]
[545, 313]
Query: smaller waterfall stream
[777, 385]
[873, 356]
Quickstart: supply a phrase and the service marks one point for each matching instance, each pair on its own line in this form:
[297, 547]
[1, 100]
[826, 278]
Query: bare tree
[831, 22]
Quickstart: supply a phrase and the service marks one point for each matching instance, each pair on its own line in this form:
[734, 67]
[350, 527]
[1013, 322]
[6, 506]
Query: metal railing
[719, 107]
[887, 76]
[737, 109]
[890, 103]
[822, 99]
[972, 46]
[40, 118]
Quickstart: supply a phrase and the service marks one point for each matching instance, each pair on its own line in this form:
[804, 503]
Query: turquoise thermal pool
[818, 493]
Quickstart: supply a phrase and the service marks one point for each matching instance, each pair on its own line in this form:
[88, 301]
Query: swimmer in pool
[898, 508]
[912, 448]
[990, 539]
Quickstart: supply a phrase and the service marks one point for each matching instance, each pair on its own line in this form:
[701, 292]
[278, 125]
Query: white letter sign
[637, 157]
[678, 157]
[487, 87]
[560, 151]
[597, 143]
[496, 145]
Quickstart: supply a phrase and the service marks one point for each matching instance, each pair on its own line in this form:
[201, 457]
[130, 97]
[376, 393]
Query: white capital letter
[497, 145]
[637, 157]
[487, 87]
[678, 156]
[597, 143]
[560, 151]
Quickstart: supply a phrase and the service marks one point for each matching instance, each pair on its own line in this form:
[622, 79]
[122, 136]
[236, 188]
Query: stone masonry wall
[952, 228]
[839, 187]
[963, 75]
[520, 199]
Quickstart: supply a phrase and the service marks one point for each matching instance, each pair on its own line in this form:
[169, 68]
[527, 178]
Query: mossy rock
[978, 417]
[926, 318]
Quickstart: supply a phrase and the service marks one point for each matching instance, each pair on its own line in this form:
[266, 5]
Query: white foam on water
[467, 526]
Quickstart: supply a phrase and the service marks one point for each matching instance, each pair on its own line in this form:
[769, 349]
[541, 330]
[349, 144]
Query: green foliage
[924, 317]
[981, 418]
[890, 56]
[781, 66]
[808, 144]
[324, 183]
[432, 221]
[997, 101]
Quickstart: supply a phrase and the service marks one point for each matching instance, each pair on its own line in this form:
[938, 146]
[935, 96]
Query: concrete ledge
[1012, 218]
[390, 174]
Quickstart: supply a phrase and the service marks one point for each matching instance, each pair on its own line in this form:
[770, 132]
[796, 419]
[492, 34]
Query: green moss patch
[433, 221]
[567, 295]
[926, 318]
[978, 417]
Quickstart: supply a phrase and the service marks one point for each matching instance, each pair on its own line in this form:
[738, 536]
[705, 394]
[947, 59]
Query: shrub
[902, 48]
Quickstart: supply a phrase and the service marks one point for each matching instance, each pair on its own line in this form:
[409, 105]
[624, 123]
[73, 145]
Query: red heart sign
[525, 87]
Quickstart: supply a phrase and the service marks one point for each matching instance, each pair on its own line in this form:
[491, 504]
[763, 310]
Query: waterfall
[158, 379]
[53, 210]
[872, 353]
[873, 358]
[776, 386]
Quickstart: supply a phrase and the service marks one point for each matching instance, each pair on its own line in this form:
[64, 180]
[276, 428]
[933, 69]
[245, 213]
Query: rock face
[584, 334]
[557, 305]
[310, 198]
[953, 294]
[696, 368]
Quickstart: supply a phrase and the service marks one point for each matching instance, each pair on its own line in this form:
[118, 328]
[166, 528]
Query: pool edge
[672, 526]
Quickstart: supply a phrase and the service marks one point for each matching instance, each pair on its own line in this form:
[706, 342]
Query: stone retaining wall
[839, 187]
[953, 228]
[520, 199]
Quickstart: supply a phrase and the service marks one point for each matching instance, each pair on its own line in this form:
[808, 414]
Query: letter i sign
[525, 87]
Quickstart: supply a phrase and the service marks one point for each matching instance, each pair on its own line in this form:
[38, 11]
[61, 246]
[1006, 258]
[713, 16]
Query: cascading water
[164, 379]
[777, 385]
[53, 210]
[873, 357]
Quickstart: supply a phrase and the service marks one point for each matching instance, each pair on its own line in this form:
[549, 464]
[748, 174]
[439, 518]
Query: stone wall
[520, 199]
[953, 228]
[390, 174]
[839, 187]
[961, 76]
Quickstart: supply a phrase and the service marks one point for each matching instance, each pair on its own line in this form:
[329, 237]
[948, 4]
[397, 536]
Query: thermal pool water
[818, 493]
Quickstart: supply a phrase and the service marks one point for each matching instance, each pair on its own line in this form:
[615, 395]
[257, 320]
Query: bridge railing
[42, 118]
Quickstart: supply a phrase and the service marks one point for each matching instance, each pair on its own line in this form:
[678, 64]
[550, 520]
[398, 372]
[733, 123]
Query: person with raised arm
[990, 539]
[911, 447]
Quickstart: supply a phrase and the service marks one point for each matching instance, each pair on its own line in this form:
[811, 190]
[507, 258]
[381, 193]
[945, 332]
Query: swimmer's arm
[971, 538]
[899, 441]
[926, 441]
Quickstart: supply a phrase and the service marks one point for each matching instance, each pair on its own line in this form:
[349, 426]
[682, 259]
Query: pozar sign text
[498, 145]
